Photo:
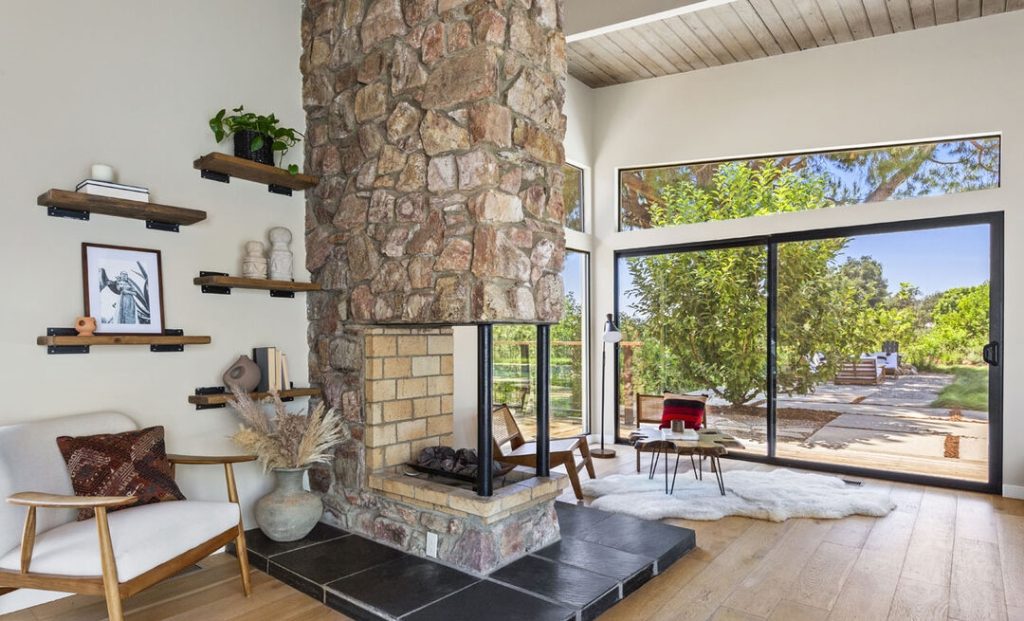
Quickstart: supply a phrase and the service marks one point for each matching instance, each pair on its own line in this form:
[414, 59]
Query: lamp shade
[611, 331]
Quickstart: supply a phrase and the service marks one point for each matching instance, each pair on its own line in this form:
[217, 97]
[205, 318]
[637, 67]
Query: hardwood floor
[212, 593]
[941, 555]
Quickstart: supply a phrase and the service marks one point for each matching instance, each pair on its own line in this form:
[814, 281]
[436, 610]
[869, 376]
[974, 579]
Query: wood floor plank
[823, 577]
[976, 591]
[1011, 555]
[649, 598]
[930, 554]
[775, 576]
[975, 518]
[700, 597]
[791, 611]
[919, 601]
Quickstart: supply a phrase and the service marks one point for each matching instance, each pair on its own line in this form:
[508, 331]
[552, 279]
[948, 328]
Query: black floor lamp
[611, 335]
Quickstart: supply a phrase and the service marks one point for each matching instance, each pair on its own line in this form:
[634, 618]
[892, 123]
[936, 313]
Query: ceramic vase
[244, 373]
[289, 512]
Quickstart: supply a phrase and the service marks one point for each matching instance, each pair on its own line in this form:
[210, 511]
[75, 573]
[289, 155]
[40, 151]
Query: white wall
[132, 84]
[950, 80]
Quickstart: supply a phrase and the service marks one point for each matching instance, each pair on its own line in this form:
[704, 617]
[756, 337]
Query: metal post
[484, 413]
[543, 401]
[771, 390]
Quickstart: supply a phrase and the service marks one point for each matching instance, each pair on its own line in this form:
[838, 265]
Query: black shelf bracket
[60, 212]
[168, 348]
[156, 225]
[65, 349]
[217, 289]
[277, 293]
[210, 390]
[215, 176]
[273, 188]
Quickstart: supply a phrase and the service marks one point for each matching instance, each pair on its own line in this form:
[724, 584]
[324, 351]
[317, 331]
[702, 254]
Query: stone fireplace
[436, 127]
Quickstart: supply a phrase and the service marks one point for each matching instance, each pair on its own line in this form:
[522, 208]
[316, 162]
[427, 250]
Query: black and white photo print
[123, 289]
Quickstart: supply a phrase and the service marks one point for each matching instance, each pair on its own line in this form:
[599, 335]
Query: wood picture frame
[120, 289]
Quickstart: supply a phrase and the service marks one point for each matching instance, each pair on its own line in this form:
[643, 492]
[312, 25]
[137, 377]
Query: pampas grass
[289, 439]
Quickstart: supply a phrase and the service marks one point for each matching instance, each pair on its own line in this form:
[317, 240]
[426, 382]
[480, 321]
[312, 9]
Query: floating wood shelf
[67, 341]
[221, 167]
[220, 283]
[78, 205]
[218, 396]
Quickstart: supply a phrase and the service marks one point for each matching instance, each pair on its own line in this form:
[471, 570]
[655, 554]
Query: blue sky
[932, 260]
[572, 274]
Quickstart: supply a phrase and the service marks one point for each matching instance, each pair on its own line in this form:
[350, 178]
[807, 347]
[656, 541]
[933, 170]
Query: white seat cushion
[143, 537]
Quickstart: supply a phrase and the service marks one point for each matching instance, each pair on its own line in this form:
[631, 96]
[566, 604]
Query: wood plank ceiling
[749, 29]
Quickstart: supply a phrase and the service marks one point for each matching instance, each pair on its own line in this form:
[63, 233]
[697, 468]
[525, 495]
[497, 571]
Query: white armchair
[116, 555]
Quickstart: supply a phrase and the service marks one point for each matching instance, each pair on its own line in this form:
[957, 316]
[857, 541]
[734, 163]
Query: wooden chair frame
[108, 584]
[506, 430]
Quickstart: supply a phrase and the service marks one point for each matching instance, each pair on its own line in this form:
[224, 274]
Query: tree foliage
[699, 318]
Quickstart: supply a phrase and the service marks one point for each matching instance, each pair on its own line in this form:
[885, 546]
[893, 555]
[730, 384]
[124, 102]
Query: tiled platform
[601, 558]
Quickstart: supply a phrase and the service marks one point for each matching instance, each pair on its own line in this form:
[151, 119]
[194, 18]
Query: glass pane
[572, 195]
[695, 322]
[879, 342]
[515, 360]
[686, 193]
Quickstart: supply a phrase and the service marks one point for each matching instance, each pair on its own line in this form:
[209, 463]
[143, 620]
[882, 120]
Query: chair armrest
[60, 501]
[206, 460]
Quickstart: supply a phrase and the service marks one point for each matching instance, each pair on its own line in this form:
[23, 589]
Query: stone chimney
[436, 127]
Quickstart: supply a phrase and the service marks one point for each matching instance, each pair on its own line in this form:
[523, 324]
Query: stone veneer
[436, 127]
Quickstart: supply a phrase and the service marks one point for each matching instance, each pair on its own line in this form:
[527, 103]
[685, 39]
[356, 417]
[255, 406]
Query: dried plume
[288, 439]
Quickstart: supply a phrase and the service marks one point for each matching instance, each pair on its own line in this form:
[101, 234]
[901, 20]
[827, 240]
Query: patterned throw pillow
[133, 463]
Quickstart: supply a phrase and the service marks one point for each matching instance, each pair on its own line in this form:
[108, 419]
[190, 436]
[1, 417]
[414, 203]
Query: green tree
[865, 274]
[959, 326]
[703, 312]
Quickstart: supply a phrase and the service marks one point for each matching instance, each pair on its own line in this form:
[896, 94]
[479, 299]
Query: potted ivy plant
[257, 137]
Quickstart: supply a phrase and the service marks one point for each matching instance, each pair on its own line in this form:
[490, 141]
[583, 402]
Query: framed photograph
[124, 289]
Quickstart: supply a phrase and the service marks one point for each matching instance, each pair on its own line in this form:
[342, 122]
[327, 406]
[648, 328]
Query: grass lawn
[969, 390]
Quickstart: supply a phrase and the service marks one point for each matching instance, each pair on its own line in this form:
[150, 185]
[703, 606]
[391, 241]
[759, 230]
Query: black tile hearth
[601, 558]
[259, 543]
[597, 558]
[644, 537]
[331, 560]
[494, 602]
[581, 589]
[400, 586]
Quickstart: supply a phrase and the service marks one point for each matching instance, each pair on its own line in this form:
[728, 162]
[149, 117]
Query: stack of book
[113, 190]
[273, 369]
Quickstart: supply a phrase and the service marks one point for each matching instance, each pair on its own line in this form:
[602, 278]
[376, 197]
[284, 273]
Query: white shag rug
[776, 496]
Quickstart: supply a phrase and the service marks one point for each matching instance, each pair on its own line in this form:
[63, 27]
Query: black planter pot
[243, 147]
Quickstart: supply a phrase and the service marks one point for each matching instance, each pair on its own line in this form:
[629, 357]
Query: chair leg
[588, 461]
[574, 476]
[638, 461]
[109, 567]
[243, 560]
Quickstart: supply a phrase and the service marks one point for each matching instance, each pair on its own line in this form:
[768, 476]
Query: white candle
[102, 172]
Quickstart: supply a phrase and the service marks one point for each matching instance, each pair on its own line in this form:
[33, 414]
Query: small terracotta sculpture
[85, 326]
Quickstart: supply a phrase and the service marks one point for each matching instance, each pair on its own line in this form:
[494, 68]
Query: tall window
[572, 195]
[515, 361]
[723, 190]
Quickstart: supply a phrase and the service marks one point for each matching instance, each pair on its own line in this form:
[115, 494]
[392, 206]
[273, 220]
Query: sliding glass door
[880, 343]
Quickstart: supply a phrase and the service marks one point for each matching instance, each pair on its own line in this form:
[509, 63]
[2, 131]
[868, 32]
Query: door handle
[990, 353]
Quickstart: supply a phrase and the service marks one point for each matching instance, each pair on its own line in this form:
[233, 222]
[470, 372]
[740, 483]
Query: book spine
[286, 380]
[259, 356]
[274, 369]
